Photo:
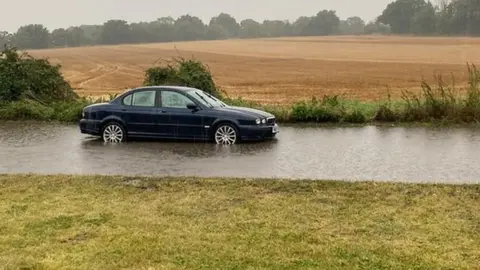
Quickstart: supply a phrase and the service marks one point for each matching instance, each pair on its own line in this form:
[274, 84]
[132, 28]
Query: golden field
[280, 70]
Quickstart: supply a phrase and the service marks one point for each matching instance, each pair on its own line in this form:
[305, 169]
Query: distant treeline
[418, 17]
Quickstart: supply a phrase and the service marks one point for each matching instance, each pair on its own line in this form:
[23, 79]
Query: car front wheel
[226, 134]
[113, 133]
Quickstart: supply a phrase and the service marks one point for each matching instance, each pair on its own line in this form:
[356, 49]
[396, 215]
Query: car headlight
[257, 121]
[264, 121]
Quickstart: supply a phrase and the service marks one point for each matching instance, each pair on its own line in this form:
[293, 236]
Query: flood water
[361, 153]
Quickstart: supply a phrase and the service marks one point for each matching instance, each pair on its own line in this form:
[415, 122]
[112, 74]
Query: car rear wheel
[113, 133]
[226, 134]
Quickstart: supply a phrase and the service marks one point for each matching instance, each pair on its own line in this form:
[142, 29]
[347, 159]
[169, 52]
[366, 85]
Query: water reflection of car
[174, 112]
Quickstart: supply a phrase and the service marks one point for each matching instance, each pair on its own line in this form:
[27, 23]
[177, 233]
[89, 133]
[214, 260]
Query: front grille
[271, 120]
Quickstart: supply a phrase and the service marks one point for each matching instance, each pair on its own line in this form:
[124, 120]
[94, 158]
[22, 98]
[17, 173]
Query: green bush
[24, 77]
[30, 110]
[69, 111]
[24, 110]
[34, 89]
[190, 73]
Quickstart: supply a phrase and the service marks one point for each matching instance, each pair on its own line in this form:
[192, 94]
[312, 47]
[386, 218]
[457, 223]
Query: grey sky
[64, 13]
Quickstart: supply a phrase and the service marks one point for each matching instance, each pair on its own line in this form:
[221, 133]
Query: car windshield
[207, 99]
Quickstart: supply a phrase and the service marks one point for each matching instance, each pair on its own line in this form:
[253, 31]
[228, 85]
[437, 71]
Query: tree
[216, 32]
[115, 32]
[5, 38]
[189, 28]
[465, 17]
[275, 28]
[250, 29]
[32, 36]
[163, 29]
[141, 32]
[326, 22]
[401, 15]
[441, 4]
[91, 33]
[377, 28]
[300, 26]
[424, 21]
[353, 25]
[59, 37]
[226, 22]
[420, 17]
[77, 37]
[459, 17]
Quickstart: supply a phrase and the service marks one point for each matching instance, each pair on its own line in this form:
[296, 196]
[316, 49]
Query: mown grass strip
[95, 222]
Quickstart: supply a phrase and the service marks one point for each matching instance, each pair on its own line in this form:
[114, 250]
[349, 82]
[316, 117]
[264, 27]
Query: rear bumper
[248, 133]
[90, 127]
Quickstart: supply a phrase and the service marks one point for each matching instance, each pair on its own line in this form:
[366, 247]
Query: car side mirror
[192, 106]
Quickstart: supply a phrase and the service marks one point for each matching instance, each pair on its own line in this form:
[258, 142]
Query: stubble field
[280, 70]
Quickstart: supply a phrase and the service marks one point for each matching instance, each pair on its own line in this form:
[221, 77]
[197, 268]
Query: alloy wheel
[225, 134]
[113, 133]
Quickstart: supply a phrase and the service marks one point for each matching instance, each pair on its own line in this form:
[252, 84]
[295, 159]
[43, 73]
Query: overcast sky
[64, 13]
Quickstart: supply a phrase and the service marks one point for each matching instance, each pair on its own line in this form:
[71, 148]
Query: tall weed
[443, 102]
[329, 109]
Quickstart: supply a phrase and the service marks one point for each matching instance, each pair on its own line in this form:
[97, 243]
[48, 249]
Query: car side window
[128, 100]
[144, 98]
[171, 99]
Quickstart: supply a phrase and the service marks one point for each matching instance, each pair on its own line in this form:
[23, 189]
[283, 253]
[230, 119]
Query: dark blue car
[174, 112]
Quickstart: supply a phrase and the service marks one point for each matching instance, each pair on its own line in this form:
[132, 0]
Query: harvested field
[280, 70]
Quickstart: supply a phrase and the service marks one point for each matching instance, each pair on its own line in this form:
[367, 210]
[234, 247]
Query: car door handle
[163, 111]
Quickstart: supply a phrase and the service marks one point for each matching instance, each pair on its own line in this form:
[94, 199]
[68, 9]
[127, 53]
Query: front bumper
[90, 127]
[259, 132]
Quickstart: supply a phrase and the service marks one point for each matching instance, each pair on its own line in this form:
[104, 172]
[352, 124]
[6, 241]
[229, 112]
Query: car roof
[169, 87]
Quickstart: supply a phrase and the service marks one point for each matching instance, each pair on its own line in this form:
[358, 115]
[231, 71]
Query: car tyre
[226, 134]
[113, 132]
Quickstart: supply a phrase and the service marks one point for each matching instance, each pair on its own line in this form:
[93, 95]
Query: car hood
[245, 111]
[94, 105]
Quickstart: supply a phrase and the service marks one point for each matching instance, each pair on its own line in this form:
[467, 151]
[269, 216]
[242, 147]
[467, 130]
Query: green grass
[100, 222]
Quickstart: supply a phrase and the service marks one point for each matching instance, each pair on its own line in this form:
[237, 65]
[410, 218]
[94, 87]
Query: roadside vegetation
[184, 72]
[63, 221]
[439, 103]
[34, 89]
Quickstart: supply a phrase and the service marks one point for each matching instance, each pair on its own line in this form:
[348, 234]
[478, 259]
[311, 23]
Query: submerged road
[361, 153]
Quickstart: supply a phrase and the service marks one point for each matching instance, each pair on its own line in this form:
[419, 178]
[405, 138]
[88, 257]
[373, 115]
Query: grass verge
[98, 222]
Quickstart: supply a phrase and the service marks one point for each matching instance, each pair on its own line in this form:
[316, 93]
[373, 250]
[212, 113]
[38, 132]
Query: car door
[139, 111]
[182, 122]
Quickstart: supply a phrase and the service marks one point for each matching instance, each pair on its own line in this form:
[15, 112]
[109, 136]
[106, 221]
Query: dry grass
[280, 70]
[94, 222]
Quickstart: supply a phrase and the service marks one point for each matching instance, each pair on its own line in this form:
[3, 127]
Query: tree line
[418, 17]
